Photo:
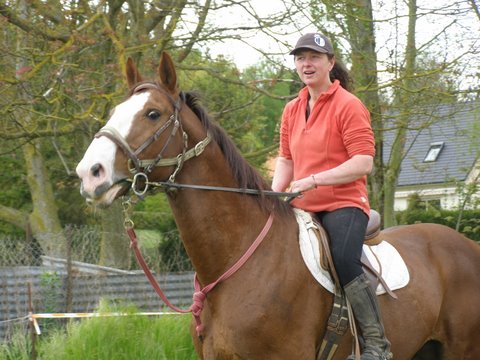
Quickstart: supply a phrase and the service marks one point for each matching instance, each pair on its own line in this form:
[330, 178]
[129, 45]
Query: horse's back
[445, 256]
[445, 247]
[444, 290]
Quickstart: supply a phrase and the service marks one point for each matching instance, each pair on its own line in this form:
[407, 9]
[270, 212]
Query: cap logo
[320, 41]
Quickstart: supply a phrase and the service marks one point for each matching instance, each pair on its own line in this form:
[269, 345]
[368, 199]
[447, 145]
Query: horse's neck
[216, 227]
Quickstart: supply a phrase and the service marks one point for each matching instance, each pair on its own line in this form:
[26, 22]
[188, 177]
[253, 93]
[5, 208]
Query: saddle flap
[384, 258]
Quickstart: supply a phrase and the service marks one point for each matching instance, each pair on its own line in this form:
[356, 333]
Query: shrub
[468, 223]
[123, 337]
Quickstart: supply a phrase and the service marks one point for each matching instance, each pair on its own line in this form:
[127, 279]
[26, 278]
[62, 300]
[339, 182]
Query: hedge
[468, 221]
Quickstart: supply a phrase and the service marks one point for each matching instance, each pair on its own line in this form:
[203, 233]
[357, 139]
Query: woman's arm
[347, 172]
[283, 174]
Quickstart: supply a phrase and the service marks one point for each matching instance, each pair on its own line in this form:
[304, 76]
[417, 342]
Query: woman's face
[313, 67]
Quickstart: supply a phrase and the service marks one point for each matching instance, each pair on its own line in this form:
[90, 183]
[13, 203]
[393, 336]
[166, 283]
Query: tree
[43, 220]
[399, 84]
[73, 66]
[393, 169]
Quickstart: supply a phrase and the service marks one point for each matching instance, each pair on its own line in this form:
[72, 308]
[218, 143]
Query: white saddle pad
[383, 257]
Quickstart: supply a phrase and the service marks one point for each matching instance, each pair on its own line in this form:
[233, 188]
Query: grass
[134, 337]
[18, 346]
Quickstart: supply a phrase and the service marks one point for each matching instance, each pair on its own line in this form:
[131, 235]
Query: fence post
[69, 287]
[33, 332]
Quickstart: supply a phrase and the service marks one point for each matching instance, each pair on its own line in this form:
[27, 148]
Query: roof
[451, 130]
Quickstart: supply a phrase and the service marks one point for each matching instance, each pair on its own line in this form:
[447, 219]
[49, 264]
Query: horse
[271, 308]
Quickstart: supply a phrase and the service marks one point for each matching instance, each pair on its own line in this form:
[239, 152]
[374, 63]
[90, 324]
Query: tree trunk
[114, 249]
[44, 221]
[361, 34]
[398, 146]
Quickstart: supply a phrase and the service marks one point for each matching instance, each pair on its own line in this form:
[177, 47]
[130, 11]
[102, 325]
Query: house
[441, 158]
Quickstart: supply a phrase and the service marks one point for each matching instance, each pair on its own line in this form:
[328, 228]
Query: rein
[147, 165]
[140, 185]
[289, 196]
[200, 294]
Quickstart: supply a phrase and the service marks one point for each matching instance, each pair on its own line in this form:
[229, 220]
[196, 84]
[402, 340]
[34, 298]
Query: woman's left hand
[303, 185]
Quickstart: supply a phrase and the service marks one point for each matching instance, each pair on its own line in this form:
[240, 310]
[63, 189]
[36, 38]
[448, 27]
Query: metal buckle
[137, 192]
[199, 148]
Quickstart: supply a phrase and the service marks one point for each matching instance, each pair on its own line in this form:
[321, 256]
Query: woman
[327, 149]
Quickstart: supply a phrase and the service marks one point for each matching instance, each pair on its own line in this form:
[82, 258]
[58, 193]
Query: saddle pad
[383, 257]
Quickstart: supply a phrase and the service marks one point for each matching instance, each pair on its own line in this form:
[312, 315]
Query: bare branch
[8, 13]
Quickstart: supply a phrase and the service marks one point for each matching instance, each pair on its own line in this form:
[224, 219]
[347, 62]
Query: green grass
[134, 337]
[18, 346]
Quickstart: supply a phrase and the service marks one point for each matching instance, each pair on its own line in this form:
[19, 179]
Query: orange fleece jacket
[337, 129]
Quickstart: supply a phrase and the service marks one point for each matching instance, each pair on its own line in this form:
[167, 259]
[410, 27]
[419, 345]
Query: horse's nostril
[95, 170]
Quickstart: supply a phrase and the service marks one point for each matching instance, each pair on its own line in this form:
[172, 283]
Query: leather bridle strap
[191, 153]
[200, 293]
[112, 134]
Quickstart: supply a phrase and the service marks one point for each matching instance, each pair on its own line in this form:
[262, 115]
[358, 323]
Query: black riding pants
[346, 229]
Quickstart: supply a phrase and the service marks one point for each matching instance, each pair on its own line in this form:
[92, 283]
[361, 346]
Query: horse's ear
[133, 76]
[167, 73]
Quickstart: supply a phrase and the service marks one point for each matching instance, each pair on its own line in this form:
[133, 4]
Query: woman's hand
[305, 184]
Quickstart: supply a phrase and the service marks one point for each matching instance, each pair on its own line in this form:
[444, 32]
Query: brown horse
[272, 308]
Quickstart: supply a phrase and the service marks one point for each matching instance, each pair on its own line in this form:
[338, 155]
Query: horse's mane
[246, 176]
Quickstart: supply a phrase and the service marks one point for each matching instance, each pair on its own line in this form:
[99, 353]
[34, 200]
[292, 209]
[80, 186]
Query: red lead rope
[200, 294]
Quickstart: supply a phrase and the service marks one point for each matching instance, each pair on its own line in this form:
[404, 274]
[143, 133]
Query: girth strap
[338, 320]
[336, 327]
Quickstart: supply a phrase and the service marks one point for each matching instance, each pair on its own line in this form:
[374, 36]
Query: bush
[127, 337]
[468, 222]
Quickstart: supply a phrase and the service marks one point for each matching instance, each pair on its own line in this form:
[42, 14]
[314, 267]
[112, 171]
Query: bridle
[142, 168]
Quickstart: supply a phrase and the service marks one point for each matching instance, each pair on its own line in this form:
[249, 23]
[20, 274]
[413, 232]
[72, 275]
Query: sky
[388, 42]
[243, 52]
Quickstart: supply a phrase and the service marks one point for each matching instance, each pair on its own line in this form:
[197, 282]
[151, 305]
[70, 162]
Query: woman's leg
[346, 229]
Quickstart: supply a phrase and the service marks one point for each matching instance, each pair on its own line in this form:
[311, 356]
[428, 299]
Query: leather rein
[200, 293]
[140, 168]
[140, 184]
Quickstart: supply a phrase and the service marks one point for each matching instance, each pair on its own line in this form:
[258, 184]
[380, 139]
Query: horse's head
[142, 133]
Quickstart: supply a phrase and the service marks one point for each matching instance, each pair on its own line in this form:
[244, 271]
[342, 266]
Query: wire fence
[31, 280]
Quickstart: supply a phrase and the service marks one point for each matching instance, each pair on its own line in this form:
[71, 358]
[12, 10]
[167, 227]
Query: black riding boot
[367, 313]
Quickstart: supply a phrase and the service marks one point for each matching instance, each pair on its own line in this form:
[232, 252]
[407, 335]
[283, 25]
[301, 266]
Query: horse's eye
[153, 114]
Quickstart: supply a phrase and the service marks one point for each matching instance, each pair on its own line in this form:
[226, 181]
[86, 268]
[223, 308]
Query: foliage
[165, 252]
[129, 337]
[50, 284]
[469, 225]
[238, 109]
[18, 347]
[74, 78]
[67, 59]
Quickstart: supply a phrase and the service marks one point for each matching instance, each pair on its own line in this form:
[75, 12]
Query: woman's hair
[339, 72]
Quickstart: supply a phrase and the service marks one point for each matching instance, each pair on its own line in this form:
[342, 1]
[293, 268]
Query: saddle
[315, 250]
[373, 229]
[338, 320]
[371, 238]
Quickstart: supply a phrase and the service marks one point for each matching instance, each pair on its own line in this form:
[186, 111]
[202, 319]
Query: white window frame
[434, 151]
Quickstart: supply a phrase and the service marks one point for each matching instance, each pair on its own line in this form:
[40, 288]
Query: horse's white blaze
[102, 150]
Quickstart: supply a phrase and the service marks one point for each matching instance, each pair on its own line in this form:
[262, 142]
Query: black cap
[314, 41]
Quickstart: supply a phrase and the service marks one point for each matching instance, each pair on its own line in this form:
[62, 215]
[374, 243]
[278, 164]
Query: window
[434, 151]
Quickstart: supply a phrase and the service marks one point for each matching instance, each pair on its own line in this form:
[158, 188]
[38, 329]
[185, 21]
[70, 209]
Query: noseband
[141, 168]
